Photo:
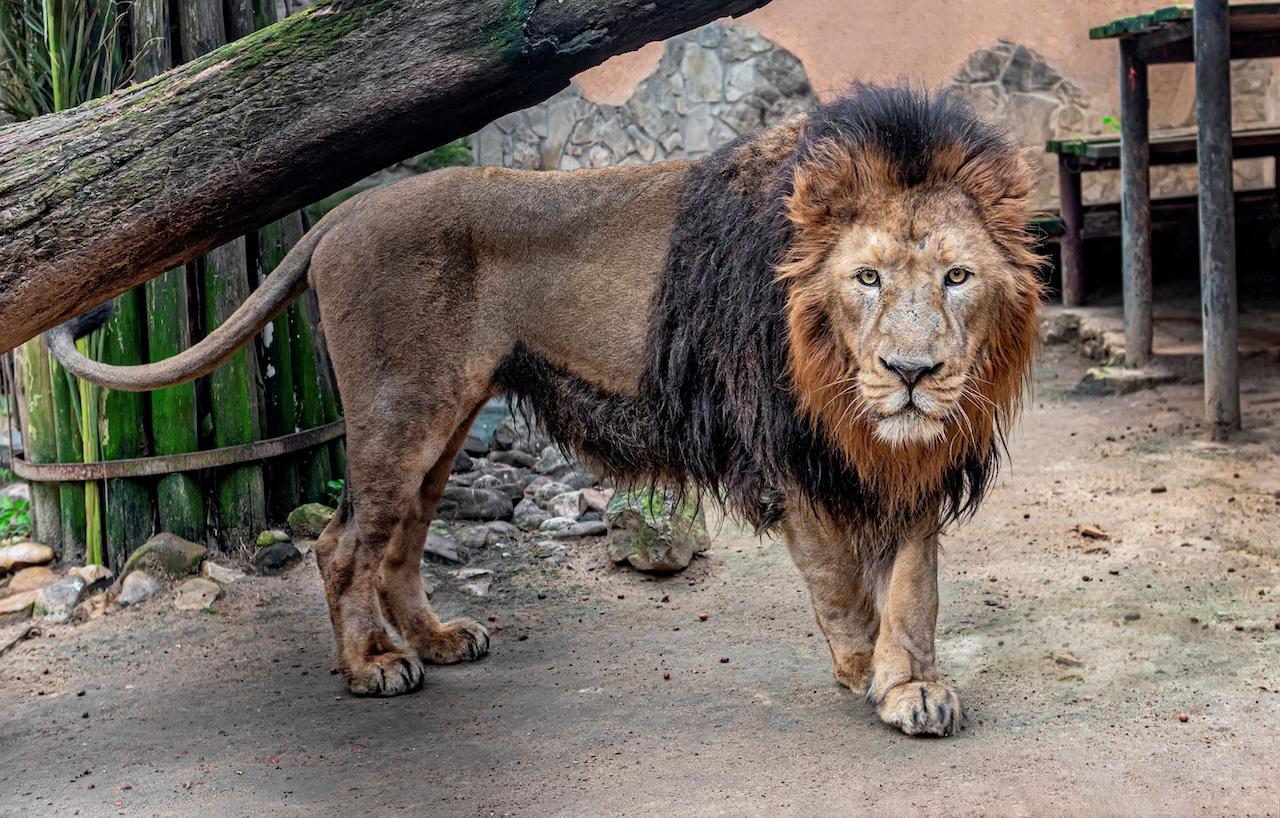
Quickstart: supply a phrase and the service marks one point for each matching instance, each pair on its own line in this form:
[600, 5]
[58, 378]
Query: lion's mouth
[907, 425]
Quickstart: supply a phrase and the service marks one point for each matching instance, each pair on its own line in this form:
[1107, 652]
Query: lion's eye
[958, 275]
[867, 276]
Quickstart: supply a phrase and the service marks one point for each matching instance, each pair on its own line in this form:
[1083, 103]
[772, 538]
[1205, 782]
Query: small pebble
[702, 617]
[724, 660]
[1183, 717]
[666, 676]
[1158, 489]
[1132, 616]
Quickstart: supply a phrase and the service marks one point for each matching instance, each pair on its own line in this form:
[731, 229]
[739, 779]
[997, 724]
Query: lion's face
[912, 286]
[911, 307]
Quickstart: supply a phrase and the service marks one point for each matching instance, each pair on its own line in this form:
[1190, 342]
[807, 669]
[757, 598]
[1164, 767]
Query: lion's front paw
[459, 640]
[922, 708]
[385, 674]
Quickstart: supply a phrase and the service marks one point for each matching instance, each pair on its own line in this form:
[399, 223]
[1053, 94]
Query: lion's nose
[911, 370]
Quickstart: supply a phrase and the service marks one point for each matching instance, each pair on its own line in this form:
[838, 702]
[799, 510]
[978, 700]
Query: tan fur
[426, 285]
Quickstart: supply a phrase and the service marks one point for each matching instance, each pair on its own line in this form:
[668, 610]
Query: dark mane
[716, 407]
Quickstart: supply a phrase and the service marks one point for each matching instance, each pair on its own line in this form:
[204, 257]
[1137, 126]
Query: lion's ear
[1002, 183]
[834, 181]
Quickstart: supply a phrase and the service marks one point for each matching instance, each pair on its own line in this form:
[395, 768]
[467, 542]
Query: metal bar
[1071, 204]
[1217, 218]
[1135, 205]
[187, 461]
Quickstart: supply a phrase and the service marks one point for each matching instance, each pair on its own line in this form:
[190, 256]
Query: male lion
[825, 324]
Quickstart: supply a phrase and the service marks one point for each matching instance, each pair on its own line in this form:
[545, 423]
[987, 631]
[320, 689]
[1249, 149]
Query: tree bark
[289, 114]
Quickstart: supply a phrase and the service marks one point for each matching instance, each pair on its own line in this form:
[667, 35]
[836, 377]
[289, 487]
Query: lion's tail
[278, 290]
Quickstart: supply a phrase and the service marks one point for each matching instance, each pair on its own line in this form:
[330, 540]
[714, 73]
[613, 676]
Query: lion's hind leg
[400, 579]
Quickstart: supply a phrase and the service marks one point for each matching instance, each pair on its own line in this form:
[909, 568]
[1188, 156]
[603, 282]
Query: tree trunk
[256, 129]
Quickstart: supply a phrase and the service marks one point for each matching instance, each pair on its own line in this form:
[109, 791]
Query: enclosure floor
[238, 713]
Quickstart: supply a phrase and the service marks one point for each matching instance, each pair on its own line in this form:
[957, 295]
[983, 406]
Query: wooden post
[39, 438]
[70, 446]
[276, 364]
[1135, 205]
[1217, 218]
[1070, 202]
[316, 467]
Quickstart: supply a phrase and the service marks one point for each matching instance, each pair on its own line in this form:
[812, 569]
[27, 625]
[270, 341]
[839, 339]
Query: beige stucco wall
[840, 41]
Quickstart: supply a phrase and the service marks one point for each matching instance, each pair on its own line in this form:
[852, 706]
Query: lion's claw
[922, 708]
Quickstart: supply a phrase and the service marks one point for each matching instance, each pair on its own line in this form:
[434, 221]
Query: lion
[826, 325]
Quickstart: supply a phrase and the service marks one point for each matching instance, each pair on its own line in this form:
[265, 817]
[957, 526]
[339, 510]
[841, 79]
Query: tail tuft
[94, 319]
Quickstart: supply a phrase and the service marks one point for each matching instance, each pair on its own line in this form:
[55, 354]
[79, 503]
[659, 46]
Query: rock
[597, 499]
[544, 493]
[441, 546]
[198, 594]
[275, 558]
[553, 463]
[18, 603]
[587, 529]
[55, 603]
[471, 573]
[466, 478]
[309, 520]
[520, 460]
[473, 504]
[137, 588]
[547, 548]
[655, 531]
[477, 587]
[569, 504]
[556, 525]
[272, 537]
[514, 433]
[91, 608]
[531, 487]
[166, 553]
[22, 491]
[462, 461]
[501, 530]
[591, 517]
[474, 446]
[31, 579]
[220, 573]
[513, 490]
[92, 574]
[22, 554]
[528, 516]
[473, 537]
[1066, 659]
[1092, 532]
[577, 480]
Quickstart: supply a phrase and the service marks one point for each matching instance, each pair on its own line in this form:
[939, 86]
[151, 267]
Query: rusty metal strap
[170, 463]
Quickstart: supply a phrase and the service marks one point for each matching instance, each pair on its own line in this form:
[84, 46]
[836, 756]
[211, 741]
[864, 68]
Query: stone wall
[1014, 85]
[710, 86]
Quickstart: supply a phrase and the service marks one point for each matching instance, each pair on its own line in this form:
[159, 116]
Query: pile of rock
[30, 587]
[518, 488]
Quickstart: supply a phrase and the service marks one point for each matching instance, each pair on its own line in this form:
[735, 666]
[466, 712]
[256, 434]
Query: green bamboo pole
[283, 489]
[239, 491]
[40, 440]
[316, 467]
[123, 433]
[179, 500]
[70, 449]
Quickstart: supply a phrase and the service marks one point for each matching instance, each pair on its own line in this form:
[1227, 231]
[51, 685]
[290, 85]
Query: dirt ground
[159, 712]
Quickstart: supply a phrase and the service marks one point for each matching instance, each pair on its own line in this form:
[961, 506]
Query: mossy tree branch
[266, 124]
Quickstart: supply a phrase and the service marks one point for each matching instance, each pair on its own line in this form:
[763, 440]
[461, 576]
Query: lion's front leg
[843, 601]
[904, 684]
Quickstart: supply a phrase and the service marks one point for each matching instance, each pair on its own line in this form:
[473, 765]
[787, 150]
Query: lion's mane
[733, 397]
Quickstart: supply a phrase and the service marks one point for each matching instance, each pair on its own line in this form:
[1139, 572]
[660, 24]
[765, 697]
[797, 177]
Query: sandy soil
[156, 712]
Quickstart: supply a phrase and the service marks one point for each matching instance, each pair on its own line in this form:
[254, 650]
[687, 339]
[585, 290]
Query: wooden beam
[1218, 307]
[1071, 204]
[265, 125]
[1135, 205]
